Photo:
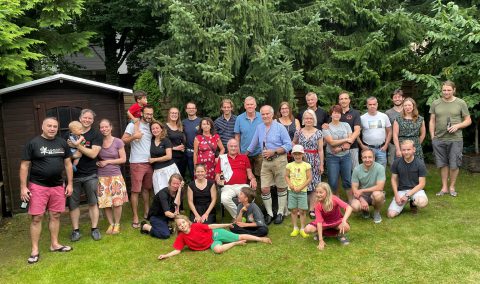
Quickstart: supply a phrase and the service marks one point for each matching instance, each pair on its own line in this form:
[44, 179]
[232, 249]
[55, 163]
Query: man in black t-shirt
[46, 156]
[408, 181]
[164, 208]
[85, 178]
[322, 116]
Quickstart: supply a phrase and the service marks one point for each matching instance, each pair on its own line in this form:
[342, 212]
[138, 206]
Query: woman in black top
[202, 197]
[161, 157]
[177, 137]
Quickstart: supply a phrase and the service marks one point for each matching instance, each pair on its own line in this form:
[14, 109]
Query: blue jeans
[380, 156]
[339, 166]
[159, 228]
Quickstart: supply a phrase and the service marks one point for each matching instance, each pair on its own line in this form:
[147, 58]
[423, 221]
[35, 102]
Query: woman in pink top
[329, 220]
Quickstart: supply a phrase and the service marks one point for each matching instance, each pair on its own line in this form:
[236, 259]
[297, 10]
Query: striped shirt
[225, 128]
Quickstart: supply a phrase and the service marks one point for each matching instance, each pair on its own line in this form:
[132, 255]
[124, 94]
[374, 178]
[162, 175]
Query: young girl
[329, 220]
[298, 176]
[198, 236]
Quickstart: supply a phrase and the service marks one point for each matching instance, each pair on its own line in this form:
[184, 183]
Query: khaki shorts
[273, 172]
[256, 164]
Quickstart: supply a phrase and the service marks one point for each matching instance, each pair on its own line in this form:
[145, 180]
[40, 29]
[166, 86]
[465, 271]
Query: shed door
[64, 111]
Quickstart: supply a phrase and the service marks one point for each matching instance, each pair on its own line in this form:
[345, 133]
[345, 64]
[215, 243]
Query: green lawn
[440, 244]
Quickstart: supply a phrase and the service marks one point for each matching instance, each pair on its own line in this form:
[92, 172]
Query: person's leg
[354, 157]
[355, 204]
[134, 204]
[136, 180]
[224, 247]
[74, 202]
[147, 185]
[453, 179]
[267, 181]
[146, 201]
[310, 229]
[294, 217]
[455, 161]
[333, 171]
[158, 228]
[108, 212]
[228, 193]
[420, 199]
[303, 216]
[54, 227]
[444, 177]
[35, 232]
[117, 214]
[395, 209]
[280, 165]
[378, 200]
[90, 186]
[346, 172]
[440, 153]
[380, 157]
[252, 238]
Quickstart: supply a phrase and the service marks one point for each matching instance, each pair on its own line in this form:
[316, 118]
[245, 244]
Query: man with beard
[393, 113]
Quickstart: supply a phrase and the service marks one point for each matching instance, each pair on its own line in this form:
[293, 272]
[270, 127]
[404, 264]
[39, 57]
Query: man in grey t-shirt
[393, 113]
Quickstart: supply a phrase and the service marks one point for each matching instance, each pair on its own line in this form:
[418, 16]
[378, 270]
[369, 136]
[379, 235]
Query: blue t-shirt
[246, 128]
[190, 128]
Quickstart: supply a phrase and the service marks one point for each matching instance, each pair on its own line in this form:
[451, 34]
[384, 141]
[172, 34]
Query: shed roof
[63, 77]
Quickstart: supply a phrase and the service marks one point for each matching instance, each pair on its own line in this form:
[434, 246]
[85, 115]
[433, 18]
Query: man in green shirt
[448, 116]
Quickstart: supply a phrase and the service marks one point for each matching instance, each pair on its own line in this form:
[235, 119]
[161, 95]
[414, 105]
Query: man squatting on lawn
[46, 156]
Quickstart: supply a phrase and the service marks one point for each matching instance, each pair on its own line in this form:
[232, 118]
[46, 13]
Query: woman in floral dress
[205, 145]
[409, 126]
[311, 139]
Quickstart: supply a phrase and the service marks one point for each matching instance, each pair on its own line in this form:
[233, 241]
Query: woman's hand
[321, 244]
[102, 164]
[204, 218]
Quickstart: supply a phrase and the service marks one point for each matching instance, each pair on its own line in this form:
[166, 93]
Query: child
[298, 176]
[75, 136]
[198, 236]
[135, 111]
[250, 219]
[329, 220]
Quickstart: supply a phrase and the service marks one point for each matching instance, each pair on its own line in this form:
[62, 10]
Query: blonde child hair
[180, 217]
[327, 204]
[75, 125]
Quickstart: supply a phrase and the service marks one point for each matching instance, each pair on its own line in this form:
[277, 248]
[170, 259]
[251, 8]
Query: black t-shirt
[47, 159]
[87, 166]
[162, 201]
[177, 137]
[352, 117]
[160, 151]
[322, 117]
[408, 173]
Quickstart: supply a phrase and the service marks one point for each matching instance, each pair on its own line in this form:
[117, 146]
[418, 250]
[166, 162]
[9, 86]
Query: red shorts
[141, 175]
[45, 198]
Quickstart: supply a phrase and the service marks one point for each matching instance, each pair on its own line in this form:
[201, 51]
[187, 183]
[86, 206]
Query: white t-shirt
[374, 128]
[140, 149]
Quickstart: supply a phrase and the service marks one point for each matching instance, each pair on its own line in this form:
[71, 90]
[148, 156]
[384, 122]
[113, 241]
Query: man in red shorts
[46, 156]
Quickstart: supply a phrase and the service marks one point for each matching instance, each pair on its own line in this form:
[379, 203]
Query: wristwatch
[407, 196]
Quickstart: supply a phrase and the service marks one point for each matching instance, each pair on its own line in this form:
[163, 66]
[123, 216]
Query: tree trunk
[111, 63]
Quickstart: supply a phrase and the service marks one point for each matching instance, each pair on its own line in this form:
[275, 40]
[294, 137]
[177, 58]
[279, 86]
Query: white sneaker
[377, 218]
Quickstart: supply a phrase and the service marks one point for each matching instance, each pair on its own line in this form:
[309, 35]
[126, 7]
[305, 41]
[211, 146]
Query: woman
[311, 139]
[202, 197]
[177, 137]
[339, 162]
[161, 157]
[409, 125]
[205, 145]
[111, 191]
[285, 117]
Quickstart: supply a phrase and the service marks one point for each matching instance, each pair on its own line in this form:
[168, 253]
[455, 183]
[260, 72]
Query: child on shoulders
[134, 113]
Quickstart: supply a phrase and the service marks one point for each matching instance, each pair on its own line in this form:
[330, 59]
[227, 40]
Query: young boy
[250, 219]
[76, 131]
[135, 111]
[298, 176]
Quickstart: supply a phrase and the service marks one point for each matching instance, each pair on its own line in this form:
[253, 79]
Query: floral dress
[311, 143]
[207, 145]
[410, 130]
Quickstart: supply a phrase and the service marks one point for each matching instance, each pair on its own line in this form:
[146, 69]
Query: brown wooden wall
[19, 114]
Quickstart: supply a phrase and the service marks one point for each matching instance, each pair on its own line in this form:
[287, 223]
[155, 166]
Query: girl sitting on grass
[198, 236]
[328, 217]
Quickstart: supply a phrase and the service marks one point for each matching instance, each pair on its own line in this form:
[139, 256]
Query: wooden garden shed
[23, 107]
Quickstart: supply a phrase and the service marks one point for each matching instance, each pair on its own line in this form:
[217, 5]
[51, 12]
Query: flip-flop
[453, 193]
[33, 259]
[135, 225]
[62, 249]
[441, 193]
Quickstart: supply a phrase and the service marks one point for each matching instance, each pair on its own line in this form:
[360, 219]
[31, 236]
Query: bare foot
[266, 240]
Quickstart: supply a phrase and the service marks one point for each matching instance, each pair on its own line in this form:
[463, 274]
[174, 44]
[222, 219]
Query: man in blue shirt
[275, 142]
[244, 129]
[190, 128]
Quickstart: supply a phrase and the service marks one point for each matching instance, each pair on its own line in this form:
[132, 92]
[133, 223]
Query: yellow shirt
[298, 173]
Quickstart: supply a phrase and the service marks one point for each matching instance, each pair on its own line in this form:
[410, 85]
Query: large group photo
[282, 173]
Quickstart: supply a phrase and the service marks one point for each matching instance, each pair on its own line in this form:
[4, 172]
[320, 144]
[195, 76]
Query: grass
[440, 244]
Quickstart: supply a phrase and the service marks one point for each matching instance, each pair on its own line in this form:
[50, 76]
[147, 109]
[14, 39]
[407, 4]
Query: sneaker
[295, 233]
[75, 236]
[315, 237]
[303, 234]
[96, 236]
[365, 214]
[377, 218]
[343, 239]
[278, 219]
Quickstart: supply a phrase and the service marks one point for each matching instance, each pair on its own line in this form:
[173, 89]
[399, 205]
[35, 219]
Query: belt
[274, 157]
[311, 151]
[374, 146]
[189, 150]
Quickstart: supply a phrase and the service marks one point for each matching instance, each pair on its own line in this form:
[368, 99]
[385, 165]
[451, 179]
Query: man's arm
[418, 187]
[431, 126]
[379, 185]
[91, 153]
[69, 171]
[25, 193]
[388, 130]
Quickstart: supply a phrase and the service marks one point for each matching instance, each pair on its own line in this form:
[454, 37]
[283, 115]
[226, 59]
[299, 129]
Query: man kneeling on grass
[408, 181]
[198, 236]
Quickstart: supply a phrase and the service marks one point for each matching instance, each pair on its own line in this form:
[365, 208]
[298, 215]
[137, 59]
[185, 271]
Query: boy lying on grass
[198, 236]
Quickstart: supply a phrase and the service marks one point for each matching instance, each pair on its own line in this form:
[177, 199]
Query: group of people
[262, 151]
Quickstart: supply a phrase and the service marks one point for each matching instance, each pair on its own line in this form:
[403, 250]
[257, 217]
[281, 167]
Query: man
[322, 116]
[448, 116]
[368, 181]
[352, 117]
[408, 181]
[141, 172]
[275, 142]
[225, 124]
[376, 131]
[393, 113]
[237, 173]
[46, 156]
[85, 178]
[244, 130]
[190, 128]
[164, 208]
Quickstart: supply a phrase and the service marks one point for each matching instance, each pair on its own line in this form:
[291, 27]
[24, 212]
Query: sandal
[62, 249]
[453, 193]
[109, 230]
[441, 193]
[116, 229]
[33, 259]
[135, 225]
[343, 239]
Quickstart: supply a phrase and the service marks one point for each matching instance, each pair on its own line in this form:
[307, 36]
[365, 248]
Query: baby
[76, 131]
